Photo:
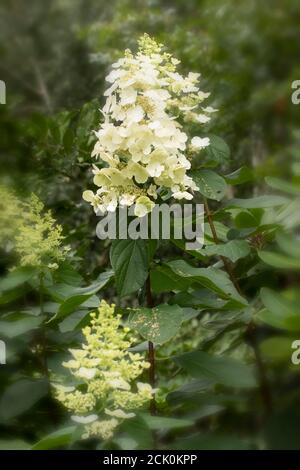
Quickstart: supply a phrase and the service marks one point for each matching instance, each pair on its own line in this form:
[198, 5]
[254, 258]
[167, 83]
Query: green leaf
[70, 305]
[73, 321]
[16, 278]
[233, 250]
[156, 423]
[281, 185]
[223, 370]
[221, 230]
[289, 323]
[158, 324]
[136, 430]
[56, 439]
[248, 218]
[276, 302]
[164, 280]
[240, 176]
[258, 202]
[19, 324]
[21, 396]
[190, 313]
[218, 151]
[279, 261]
[66, 274]
[290, 245]
[209, 183]
[190, 391]
[200, 298]
[211, 278]
[129, 259]
[64, 293]
[279, 312]
[13, 294]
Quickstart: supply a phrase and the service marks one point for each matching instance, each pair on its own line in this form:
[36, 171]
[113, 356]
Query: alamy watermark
[2, 352]
[180, 222]
[296, 354]
[2, 92]
[296, 93]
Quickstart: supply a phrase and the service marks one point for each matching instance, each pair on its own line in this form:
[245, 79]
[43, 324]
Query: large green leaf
[163, 279]
[211, 278]
[158, 324]
[210, 184]
[288, 244]
[200, 298]
[10, 296]
[279, 261]
[74, 321]
[72, 296]
[223, 370]
[277, 303]
[279, 311]
[248, 218]
[130, 262]
[56, 439]
[138, 433]
[284, 186]
[234, 250]
[156, 423]
[289, 323]
[16, 278]
[21, 396]
[258, 202]
[19, 324]
[70, 305]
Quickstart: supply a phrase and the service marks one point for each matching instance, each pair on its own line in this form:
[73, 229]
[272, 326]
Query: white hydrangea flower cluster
[141, 139]
[105, 371]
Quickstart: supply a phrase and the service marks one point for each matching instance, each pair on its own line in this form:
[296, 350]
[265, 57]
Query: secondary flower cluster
[30, 231]
[141, 139]
[104, 370]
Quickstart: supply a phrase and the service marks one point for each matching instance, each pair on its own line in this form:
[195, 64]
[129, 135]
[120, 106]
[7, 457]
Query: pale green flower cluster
[31, 232]
[105, 372]
[9, 213]
[141, 140]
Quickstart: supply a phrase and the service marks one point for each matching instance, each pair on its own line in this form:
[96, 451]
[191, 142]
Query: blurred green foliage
[226, 378]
